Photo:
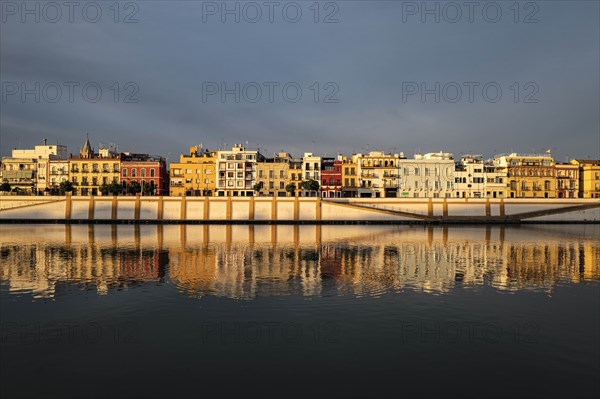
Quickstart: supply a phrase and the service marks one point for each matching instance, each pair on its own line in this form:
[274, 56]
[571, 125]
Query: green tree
[114, 188]
[310, 185]
[5, 187]
[291, 188]
[104, 189]
[258, 186]
[134, 187]
[66, 186]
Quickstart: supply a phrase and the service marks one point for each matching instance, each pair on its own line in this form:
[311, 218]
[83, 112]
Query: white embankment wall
[124, 209]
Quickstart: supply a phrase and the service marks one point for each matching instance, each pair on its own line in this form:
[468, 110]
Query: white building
[311, 170]
[237, 171]
[469, 177]
[28, 169]
[427, 176]
[377, 174]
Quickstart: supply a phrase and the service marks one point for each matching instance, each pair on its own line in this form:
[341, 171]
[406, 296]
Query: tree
[114, 188]
[134, 187]
[310, 185]
[104, 189]
[291, 188]
[66, 186]
[5, 187]
[258, 186]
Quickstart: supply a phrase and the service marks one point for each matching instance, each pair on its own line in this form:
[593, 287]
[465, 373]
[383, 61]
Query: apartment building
[89, 170]
[148, 171]
[427, 176]
[567, 180]
[589, 177]
[331, 177]
[528, 175]
[236, 170]
[195, 174]
[272, 175]
[349, 178]
[311, 170]
[377, 174]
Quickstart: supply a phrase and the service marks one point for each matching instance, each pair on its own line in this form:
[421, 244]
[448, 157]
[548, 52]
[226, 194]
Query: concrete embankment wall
[130, 209]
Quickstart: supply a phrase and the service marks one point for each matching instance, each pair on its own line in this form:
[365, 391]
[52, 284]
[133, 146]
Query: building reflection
[246, 262]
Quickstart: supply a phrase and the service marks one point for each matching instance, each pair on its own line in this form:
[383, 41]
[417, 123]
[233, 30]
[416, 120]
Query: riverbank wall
[293, 210]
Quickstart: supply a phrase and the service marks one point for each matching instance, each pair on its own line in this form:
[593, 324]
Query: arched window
[151, 172]
[133, 172]
[124, 172]
[143, 172]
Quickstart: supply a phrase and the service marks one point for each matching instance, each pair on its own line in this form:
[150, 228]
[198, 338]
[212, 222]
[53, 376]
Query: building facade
[567, 180]
[272, 175]
[589, 177]
[89, 170]
[195, 174]
[331, 177]
[349, 178]
[295, 175]
[377, 174]
[427, 176]
[528, 175]
[148, 171]
[311, 170]
[236, 170]
[58, 173]
[27, 170]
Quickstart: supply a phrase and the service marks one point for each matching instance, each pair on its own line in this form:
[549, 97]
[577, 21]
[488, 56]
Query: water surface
[337, 311]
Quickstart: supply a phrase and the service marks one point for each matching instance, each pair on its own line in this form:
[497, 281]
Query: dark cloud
[368, 54]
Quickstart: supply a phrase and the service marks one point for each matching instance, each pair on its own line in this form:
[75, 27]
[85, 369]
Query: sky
[327, 77]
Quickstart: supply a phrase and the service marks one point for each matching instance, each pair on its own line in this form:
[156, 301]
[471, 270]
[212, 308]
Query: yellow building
[295, 175]
[89, 170]
[528, 176]
[589, 177]
[194, 174]
[349, 178]
[273, 174]
[378, 174]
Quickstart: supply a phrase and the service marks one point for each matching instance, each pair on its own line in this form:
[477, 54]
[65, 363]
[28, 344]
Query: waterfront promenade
[286, 210]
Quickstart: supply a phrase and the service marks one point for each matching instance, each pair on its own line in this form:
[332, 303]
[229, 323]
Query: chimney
[45, 141]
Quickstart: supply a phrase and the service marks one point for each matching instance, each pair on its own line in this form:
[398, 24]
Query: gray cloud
[369, 53]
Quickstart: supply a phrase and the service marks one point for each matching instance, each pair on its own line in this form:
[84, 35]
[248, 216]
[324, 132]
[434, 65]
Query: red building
[149, 171]
[331, 178]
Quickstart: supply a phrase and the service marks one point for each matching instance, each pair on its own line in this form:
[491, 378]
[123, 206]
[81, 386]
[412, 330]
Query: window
[281, 174]
[133, 173]
[151, 172]
[124, 172]
[143, 172]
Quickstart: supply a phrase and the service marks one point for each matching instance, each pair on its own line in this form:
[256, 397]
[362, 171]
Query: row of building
[246, 172]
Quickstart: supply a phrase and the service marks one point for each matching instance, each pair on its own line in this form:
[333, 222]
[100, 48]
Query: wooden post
[318, 217]
[502, 210]
[138, 206]
[91, 208]
[228, 209]
[161, 208]
[445, 208]
[183, 208]
[68, 206]
[488, 208]
[251, 208]
[273, 209]
[430, 207]
[206, 208]
[296, 209]
[113, 209]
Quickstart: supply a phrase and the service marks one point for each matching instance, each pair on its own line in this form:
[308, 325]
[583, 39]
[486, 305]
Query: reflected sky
[246, 262]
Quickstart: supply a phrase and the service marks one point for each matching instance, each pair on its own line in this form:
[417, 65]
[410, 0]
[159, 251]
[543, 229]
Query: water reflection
[250, 261]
